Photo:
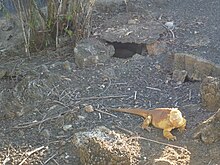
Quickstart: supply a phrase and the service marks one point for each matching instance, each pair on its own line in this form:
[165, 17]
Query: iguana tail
[135, 111]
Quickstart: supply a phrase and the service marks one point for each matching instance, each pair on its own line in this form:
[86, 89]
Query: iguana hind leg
[146, 123]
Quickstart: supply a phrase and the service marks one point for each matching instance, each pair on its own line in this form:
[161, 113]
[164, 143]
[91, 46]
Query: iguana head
[176, 117]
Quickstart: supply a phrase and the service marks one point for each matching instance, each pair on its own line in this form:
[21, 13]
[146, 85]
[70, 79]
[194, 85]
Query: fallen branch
[99, 97]
[50, 158]
[106, 113]
[125, 130]
[154, 141]
[30, 153]
[34, 123]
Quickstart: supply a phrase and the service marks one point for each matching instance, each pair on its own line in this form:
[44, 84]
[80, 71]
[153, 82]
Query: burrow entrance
[127, 50]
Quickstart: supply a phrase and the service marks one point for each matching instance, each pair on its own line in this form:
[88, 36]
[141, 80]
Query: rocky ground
[49, 101]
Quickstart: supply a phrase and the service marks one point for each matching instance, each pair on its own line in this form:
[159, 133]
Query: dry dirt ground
[39, 129]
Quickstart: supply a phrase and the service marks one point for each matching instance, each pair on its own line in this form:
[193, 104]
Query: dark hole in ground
[188, 79]
[126, 50]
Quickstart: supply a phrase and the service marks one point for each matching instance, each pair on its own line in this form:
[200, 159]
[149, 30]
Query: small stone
[133, 21]
[67, 127]
[157, 66]
[156, 48]
[80, 117]
[88, 108]
[179, 76]
[45, 133]
[170, 25]
[67, 65]
[61, 133]
[62, 143]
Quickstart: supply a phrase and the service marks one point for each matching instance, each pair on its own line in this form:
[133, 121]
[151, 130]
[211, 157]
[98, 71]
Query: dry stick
[39, 126]
[106, 87]
[29, 124]
[55, 161]
[98, 97]
[154, 141]
[57, 28]
[100, 117]
[30, 153]
[50, 158]
[171, 31]
[125, 130]
[135, 95]
[106, 113]
[58, 102]
[156, 89]
[26, 40]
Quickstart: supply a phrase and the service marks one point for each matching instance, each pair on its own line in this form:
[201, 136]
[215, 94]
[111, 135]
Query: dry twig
[34, 123]
[125, 130]
[154, 141]
[30, 153]
[105, 113]
[156, 89]
[98, 97]
[50, 158]
[135, 95]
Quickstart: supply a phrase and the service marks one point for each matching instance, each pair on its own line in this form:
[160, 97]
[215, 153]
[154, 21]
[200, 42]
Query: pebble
[67, 127]
[89, 108]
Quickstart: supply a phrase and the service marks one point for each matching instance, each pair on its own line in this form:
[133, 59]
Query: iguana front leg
[167, 134]
[183, 127]
[146, 123]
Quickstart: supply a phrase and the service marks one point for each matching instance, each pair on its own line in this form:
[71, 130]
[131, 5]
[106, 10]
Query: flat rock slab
[198, 68]
[139, 33]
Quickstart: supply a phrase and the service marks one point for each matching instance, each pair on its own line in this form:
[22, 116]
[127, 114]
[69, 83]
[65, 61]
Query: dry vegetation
[42, 28]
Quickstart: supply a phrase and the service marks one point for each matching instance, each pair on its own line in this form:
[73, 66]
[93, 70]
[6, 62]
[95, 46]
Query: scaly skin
[163, 118]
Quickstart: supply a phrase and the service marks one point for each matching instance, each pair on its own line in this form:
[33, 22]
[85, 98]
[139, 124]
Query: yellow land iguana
[163, 118]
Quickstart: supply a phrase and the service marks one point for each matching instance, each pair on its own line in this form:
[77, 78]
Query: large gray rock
[209, 130]
[90, 52]
[103, 146]
[137, 33]
[197, 68]
[210, 93]
[11, 37]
